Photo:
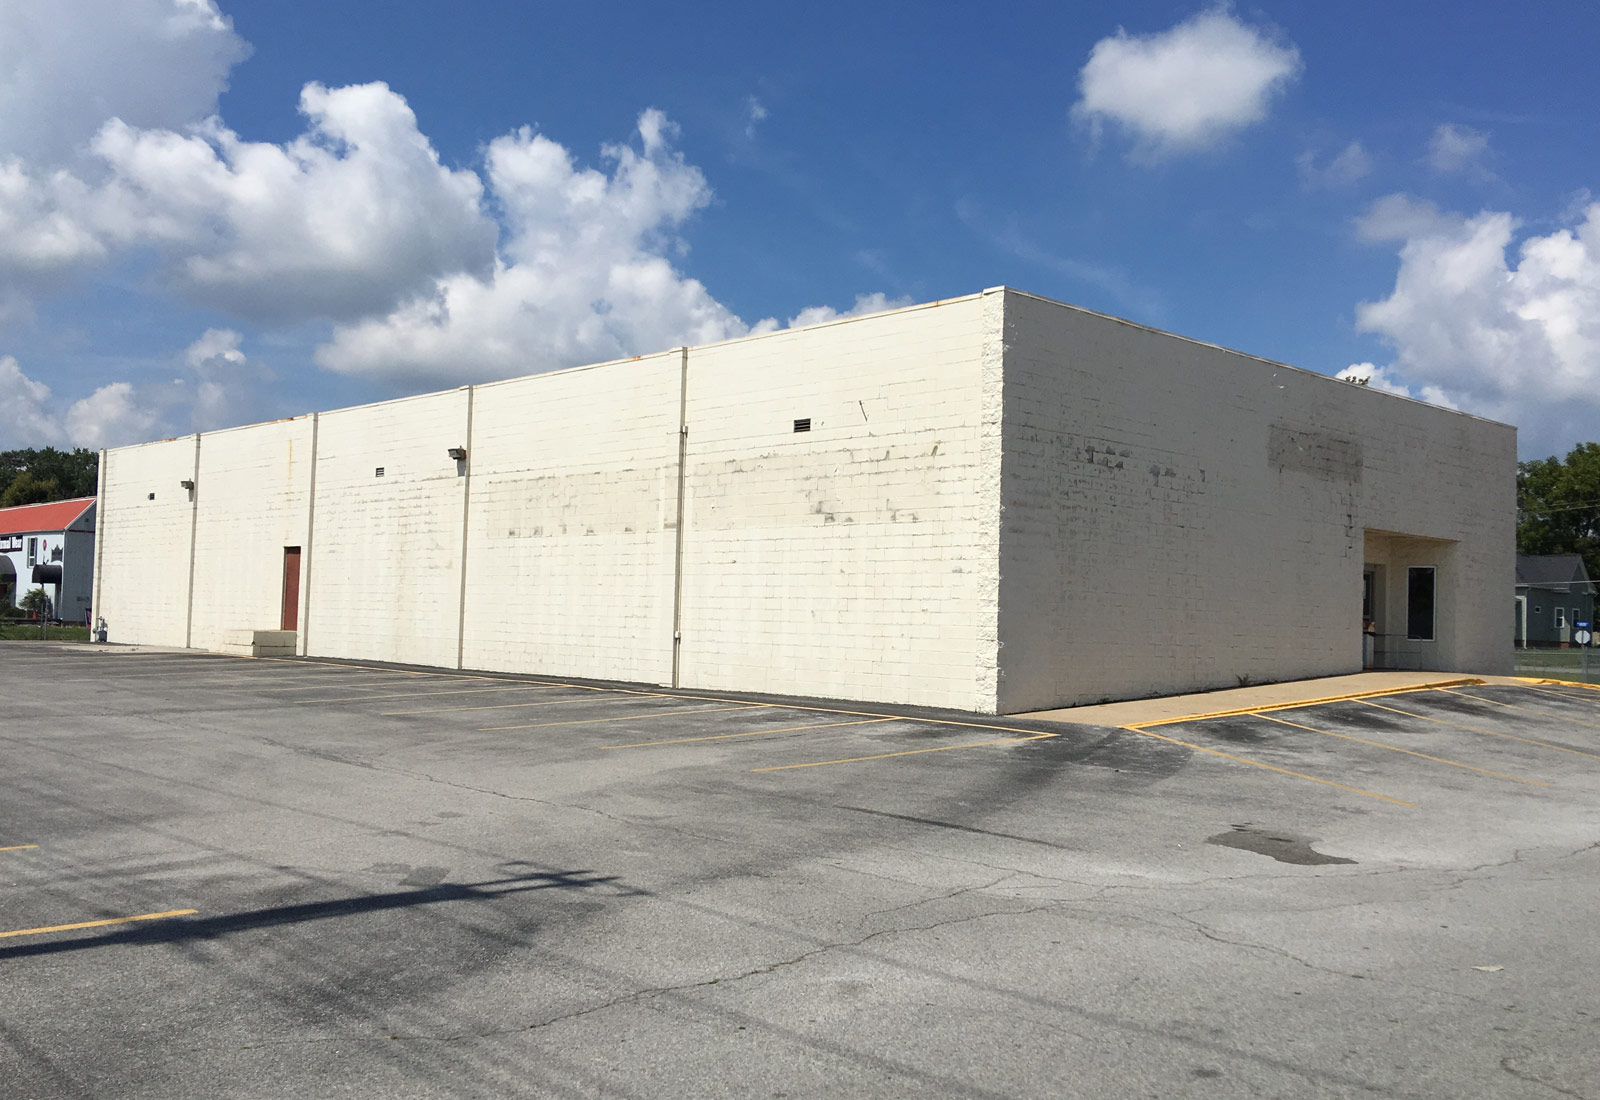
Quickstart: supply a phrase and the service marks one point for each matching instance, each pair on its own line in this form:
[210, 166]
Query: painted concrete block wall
[1448, 476]
[1002, 504]
[854, 560]
[77, 570]
[252, 502]
[384, 576]
[572, 522]
[144, 529]
[1179, 517]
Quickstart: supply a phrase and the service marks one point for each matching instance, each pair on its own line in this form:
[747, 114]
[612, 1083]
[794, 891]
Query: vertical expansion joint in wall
[95, 607]
[309, 554]
[990, 657]
[194, 518]
[466, 502]
[677, 552]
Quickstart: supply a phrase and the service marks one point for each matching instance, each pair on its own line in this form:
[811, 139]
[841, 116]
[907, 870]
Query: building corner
[987, 643]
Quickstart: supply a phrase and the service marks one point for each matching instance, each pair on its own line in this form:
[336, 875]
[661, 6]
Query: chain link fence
[1555, 631]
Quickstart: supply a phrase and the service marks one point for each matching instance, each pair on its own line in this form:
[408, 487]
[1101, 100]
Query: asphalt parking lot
[247, 878]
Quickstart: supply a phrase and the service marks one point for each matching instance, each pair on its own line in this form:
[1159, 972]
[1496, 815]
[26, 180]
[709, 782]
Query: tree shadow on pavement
[190, 929]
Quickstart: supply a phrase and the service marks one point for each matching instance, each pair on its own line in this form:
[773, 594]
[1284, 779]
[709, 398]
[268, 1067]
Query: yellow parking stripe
[1468, 681]
[1267, 767]
[1534, 686]
[373, 684]
[1490, 733]
[907, 752]
[1408, 752]
[1532, 710]
[618, 718]
[752, 733]
[499, 706]
[417, 694]
[314, 663]
[18, 848]
[98, 923]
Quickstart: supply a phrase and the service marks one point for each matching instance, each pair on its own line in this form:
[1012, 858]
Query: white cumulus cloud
[1187, 87]
[348, 219]
[113, 159]
[66, 66]
[1352, 163]
[222, 391]
[25, 419]
[217, 387]
[1401, 217]
[876, 302]
[112, 416]
[1508, 330]
[1458, 150]
[1379, 378]
[754, 114]
[584, 272]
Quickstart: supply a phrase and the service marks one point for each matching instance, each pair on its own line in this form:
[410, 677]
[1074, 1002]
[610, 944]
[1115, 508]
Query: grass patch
[30, 632]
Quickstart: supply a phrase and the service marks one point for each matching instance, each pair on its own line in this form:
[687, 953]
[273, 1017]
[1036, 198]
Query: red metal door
[291, 588]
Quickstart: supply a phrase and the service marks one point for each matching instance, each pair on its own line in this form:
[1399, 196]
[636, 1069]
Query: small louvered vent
[803, 424]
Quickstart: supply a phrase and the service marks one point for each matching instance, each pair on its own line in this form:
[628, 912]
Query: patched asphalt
[370, 881]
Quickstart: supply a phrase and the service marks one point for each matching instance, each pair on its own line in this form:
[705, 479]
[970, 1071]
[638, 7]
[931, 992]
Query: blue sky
[218, 213]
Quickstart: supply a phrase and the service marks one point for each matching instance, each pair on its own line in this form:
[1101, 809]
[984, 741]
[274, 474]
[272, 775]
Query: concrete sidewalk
[1139, 711]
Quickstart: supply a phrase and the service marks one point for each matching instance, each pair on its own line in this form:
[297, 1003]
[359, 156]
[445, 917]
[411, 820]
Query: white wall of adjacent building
[252, 490]
[572, 522]
[385, 559]
[146, 531]
[1181, 517]
[856, 559]
[1001, 504]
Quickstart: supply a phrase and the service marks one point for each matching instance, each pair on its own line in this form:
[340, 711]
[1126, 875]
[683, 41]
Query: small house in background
[1554, 594]
[50, 546]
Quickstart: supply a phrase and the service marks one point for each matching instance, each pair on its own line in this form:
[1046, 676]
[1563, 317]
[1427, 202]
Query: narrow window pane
[1419, 603]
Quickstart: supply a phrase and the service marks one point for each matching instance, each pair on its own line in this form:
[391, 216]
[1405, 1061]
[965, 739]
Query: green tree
[75, 473]
[1558, 506]
[28, 489]
[36, 601]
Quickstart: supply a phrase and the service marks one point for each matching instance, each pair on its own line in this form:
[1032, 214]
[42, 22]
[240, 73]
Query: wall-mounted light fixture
[458, 453]
[187, 484]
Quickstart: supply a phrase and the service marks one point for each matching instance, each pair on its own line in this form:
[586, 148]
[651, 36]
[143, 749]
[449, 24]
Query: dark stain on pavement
[1285, 847]
[1242, 730]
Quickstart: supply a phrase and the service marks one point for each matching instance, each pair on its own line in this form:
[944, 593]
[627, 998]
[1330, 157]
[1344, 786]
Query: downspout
[194, 519]
[99, 545]
[466, 500]
[306, 554]
[677, 552]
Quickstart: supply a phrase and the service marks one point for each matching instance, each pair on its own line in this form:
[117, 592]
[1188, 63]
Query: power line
[1563, 508]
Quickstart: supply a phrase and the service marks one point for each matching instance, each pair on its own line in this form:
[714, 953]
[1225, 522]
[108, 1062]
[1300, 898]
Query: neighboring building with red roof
[49, 545]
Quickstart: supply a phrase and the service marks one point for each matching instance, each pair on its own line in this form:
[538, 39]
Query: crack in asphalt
[641, 995]
[1505, 1064]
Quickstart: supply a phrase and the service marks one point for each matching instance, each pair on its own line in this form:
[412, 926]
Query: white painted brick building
[995, 503]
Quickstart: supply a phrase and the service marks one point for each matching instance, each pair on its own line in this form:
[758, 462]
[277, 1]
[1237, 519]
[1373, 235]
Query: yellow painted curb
[1563, 683]
[1469, 681]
